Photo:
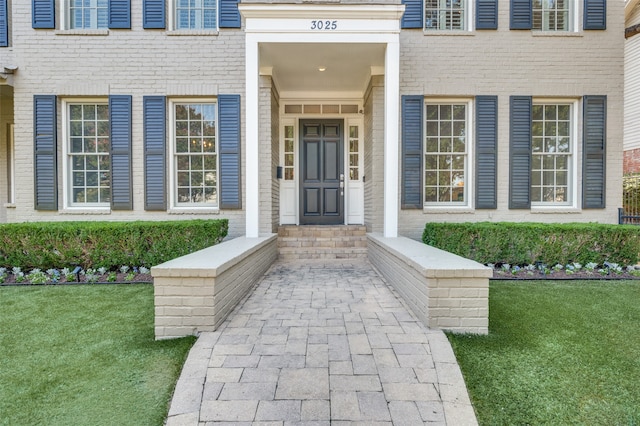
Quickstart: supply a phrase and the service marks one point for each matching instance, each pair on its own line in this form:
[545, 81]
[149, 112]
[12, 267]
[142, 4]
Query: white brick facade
[142, 62]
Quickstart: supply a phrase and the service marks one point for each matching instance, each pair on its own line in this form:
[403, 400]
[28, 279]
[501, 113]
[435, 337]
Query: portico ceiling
[295, 67]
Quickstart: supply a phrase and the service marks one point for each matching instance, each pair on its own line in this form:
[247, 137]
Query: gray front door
[322, 175]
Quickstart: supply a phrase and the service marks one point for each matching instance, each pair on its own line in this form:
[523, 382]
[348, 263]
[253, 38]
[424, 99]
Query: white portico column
[252, 159]
[391, 117]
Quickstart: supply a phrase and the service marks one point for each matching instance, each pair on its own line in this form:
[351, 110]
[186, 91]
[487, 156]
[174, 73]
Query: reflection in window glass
[196, 14]
[445, 153]
[195, 155]
[445, 14]
[88, 148]
[551, 15]
[551, 153]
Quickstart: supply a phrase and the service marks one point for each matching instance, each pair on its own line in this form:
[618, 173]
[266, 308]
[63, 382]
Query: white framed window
[195, 14]
[194, 152]
[87, 14]
[87, 166]
[553, 161]
[447, 148]
[446, 15]
[552, 15]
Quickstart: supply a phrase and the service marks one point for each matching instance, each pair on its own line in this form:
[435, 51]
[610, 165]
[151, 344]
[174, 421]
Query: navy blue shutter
[45, 152]
[486, 152]
[229, 146]
[594, 153]
[520, 153]
[486, 14]
[521, 15]
[4, 24]
[155, 187]
[153, 14]
[119, 14]
[595, 14]
[413, 14]
[43, 14]
[120, 124]
[229, 14]
[411, 177]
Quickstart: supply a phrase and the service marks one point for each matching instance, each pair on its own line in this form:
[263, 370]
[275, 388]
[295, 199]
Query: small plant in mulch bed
[609, 270]
[124, 274]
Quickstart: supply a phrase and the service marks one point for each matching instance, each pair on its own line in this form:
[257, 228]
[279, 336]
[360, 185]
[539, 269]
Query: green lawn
[557, 353]
[84, 355]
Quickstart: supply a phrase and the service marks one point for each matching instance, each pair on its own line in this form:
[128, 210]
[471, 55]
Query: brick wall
[443, 290]
[631, 161]
[196, 292]
[136, 62]
[505, 63]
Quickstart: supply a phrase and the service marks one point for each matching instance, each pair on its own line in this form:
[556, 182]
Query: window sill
[448, 33]
[194, 210]
[83, 32]
[86, 211]
[208, 33]
[9, 205]
[448, 210]
[555, 210]
[536, 33]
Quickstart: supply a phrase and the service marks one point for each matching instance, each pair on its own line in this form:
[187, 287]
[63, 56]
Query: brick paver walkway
[321, 343]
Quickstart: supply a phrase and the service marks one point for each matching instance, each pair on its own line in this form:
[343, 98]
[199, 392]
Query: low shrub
[107, 245]
[528, 243]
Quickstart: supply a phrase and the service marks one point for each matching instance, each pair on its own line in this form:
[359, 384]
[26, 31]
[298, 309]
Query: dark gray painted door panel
[321, 194]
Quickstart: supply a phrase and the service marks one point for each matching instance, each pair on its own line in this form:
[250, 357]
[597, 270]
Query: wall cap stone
[212, 261]
[431, 262]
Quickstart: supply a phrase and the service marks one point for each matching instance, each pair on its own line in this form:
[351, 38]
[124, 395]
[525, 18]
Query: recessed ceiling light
[322, 69]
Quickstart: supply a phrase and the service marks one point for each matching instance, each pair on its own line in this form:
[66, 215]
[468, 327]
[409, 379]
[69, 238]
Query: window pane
[196, 174]
[445, 133]
[90, 177]
[209, 145]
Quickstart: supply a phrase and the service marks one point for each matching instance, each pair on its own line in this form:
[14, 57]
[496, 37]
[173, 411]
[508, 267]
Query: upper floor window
[551, 15]
[445, 15]
[88, 161]
[88, 14]
[196, 14]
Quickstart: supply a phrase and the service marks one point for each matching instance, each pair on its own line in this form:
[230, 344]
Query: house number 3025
[324, 25]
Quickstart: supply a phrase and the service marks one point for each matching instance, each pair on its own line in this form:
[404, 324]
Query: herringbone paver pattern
[320, 343]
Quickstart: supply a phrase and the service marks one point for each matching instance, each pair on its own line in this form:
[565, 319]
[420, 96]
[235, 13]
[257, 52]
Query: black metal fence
[629, 214]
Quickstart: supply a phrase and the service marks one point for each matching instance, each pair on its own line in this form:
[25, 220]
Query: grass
[556, 353]
[80, 355]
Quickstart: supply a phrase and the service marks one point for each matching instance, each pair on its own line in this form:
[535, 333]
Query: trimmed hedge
[47, 245]
[527, 243]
